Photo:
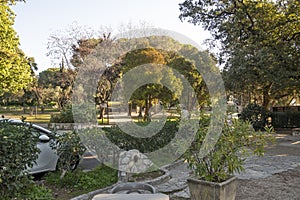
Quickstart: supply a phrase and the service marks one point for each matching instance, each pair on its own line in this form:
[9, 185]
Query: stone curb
[156, 181]
[166, 176]
[159, 180]
[90, 195]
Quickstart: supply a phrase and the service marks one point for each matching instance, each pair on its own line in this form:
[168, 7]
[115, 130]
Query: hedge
[18, 150]
[285, 119]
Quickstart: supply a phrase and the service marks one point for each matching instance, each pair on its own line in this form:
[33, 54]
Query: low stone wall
[68, 126]
[61, 126]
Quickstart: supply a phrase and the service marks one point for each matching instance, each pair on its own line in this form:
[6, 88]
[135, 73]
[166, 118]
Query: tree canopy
[152, 63]
[259, 44]
[15, 72]
[57, 84]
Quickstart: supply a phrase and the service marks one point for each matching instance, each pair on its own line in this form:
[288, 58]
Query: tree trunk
[129, 109]
[101, 112]
[147, 109]
[140, 112]
[266, 97]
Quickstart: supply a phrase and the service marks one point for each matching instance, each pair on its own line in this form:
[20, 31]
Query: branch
[293, 36]
[248, 15]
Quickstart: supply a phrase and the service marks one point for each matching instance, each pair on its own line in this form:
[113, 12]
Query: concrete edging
[156, 181]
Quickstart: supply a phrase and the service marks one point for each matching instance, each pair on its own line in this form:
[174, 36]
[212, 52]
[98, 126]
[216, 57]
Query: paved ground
[267, 171]
[284, 156]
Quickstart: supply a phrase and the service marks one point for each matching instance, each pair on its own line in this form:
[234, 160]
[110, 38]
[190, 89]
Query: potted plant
[213, 173]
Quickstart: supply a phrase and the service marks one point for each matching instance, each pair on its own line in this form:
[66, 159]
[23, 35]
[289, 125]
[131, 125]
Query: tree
[28, 95]
[31, 92]
[88, 59]
[184, 67]
[85, 47]
[15, 71]
[190, 72]
[58, 83]
[62, 43]
[259, 44]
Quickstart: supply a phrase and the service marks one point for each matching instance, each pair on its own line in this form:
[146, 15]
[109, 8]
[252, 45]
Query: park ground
[280, 186]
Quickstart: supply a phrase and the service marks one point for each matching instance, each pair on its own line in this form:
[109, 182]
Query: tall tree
[160, 76]
[81, 51]
[60, 81]
[259, 44]
[62, 43]
[15, 73]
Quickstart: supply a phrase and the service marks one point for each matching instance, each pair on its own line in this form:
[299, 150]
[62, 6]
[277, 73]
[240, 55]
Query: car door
[47, 159]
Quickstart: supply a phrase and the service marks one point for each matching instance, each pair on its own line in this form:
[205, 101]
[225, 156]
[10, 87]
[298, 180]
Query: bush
[17, 151]
[70, 150]
[144, 145]
[228, 154]
[65, 116]
[100, 177]
[84, 113]
[256, 115]
[102, 141]
[285, 119]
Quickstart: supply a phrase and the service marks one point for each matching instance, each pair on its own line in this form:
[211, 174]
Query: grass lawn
[14, 112]
[39, 118]
[79, 182]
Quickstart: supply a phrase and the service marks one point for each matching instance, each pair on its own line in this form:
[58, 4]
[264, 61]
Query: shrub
[65, 116]
[70, 150]
[285, 119]
[256, 115]
[99, 177]
[84, 113]
[17, 151]
[228, 153]
[102, 141]
[144, 145]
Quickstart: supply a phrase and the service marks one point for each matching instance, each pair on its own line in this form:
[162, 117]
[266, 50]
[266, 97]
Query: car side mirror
[44, 138]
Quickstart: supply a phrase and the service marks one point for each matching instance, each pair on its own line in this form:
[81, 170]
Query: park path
[283, 156]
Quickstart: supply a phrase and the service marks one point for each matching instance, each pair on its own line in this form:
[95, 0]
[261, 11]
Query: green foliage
[82, 113]
[158, 74]
[18, 150]
[56, 85]
[228, 154]
[100, 141]
[65, 116]
[150, 144]
[15, 73]
[70, 150]
[33, 191]
[256, 115]
[258, 40]
[100, 177]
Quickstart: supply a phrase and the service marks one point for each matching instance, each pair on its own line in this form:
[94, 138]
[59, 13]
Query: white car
[47, 159]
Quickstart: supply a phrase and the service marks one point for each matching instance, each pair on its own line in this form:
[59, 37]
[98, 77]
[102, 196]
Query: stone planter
[205, 190]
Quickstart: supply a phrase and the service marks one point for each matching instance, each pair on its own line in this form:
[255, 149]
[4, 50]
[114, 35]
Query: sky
[36, 20]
